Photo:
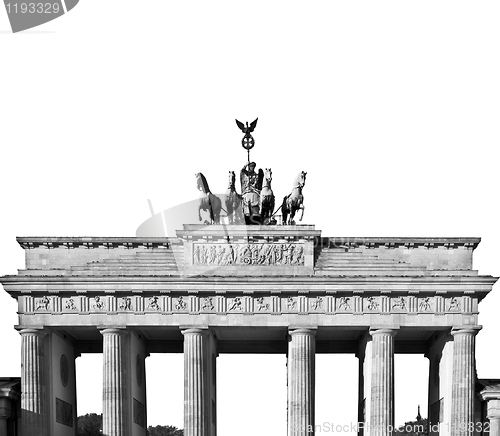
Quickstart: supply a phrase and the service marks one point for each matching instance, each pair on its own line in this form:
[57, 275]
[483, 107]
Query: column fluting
[463, 381]
[301, 382]
[195, 389]
[382, 382]
[114, 391]
[33, 404]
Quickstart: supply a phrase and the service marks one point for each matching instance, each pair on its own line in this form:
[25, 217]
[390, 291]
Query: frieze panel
[248, 254]
[248, 304]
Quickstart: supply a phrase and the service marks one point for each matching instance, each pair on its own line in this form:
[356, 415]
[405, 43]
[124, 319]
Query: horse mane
[204, 182]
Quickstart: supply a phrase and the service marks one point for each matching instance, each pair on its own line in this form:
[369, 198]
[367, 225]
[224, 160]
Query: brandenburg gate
[247, 289]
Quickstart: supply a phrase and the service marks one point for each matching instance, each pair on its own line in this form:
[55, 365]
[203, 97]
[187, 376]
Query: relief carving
[248, 254]
[126, 303]
[98, 304]
[318, 303]
[153, 303]
[181, 304]
[399, 303]
[425, 304]
[236, 305]
[70, 304]
[207, 304]
[291, 303]
[454, 305]
[372, 303]
[43, 303]
[344, 303]
[261, 304]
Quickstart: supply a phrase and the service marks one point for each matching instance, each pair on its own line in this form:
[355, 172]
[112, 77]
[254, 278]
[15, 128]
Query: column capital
[383, 331]
[466, 330]
[113, 331]
[311, 331]
[487, 394]
[32, 332]
[194, 330]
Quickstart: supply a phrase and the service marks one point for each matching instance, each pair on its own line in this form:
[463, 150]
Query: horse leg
[217, 212]
[216, 209]
[284, 212]
[302, 214]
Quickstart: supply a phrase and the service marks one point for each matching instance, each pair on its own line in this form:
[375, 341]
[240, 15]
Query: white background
[392, 108]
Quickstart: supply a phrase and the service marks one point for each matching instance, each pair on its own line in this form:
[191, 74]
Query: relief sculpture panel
[248, 254]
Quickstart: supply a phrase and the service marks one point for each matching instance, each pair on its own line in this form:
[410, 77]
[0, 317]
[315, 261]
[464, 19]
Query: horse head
[231, 180]
[300, 180]
[268, 174]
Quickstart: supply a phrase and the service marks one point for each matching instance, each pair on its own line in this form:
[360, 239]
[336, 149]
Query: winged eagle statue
[247, 142]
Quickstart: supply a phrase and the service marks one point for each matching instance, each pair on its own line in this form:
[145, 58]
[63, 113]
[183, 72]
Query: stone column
[301, 375]
[5, 413]
[33, 386]
[463, 381]
[195, 382]
[115, 390]
[382, 389]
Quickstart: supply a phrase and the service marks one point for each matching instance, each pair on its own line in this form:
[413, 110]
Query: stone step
[136, 262]
[137, 257]
[363, 264]
[164, 272]
[372, 266]
[392, 272]
[334, 258]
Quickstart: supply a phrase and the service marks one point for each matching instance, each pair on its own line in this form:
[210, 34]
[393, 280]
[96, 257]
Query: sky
[391, 107]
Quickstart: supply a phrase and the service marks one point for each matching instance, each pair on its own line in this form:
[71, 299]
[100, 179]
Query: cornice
[240, 280]
[90, 242]
[430, 243]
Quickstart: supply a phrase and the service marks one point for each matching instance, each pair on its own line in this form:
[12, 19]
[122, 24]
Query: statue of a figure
[251, 185]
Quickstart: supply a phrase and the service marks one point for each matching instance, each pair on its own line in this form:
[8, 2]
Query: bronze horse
[266, 198]
[234, 202]
[294, 201]
[208, 201]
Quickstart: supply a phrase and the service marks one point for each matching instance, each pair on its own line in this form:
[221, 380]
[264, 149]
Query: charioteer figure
[251, 185]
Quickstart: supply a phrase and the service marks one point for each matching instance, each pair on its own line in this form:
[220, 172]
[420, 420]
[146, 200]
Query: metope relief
[399, 303]
[235, 304]
[180, 304]
[125, 303]
[207, 304]
[70, 304]
[372, 304]
[291, 303]
[99, 303]
[42, 303]
[248, 254]
[153, 303]
[344, 304]
[261, 305]
[424, 304]
[316, 304]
